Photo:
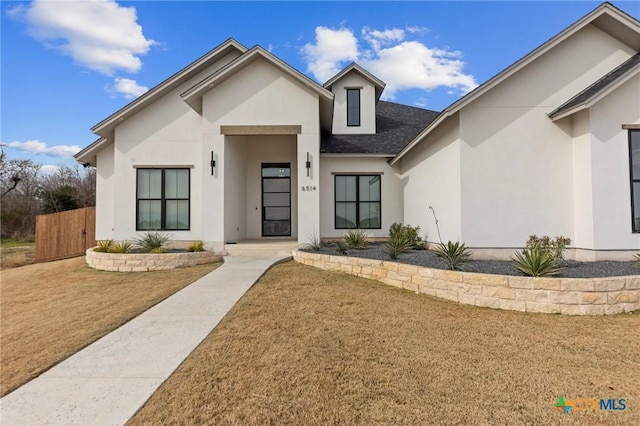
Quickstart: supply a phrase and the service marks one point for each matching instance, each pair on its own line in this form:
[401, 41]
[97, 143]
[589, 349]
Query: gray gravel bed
[427, 258]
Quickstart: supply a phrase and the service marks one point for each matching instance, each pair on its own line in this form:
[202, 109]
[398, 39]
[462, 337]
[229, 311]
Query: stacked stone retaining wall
[136, 262]
[570, 296]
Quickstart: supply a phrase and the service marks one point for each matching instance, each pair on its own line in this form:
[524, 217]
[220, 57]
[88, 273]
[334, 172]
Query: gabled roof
[193, 96]
[606, 17]
[106, 126]
[169, 84]
[396, 126]
[379, 84]
[599, 89]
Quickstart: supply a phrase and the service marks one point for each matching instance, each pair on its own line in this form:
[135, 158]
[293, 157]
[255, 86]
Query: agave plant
[536, 263]
[103, 246]
[399, 243]
[152, 242]
[342, 247]
[197, 246]
[356, 238]
[121, 247]
[454, 254]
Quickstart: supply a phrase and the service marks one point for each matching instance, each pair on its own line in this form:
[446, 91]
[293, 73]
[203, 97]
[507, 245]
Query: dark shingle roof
[397, 125]
[598, 86]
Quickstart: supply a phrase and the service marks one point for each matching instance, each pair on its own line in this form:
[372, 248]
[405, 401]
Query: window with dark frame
[634, 172]
[357, 202]
[353, 107]
[162, 199]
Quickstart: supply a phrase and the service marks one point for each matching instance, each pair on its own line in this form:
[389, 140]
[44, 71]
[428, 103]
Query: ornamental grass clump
[315, 242]
[152, 242]
[356, 239]
[455, 255]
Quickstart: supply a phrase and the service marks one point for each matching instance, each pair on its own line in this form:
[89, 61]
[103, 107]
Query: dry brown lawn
[12, 257]
[51, 310]
[305, 346]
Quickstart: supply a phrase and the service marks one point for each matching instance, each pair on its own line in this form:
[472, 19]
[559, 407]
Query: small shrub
[398, 244]
[342, 247]
[455, 254]
[121, 247]
[158, 250]
[103, 246]
[315, 243]
[197, 246]
[151, 241]
[356, 239]
[411, 233]
[536, 263]
[552, 247]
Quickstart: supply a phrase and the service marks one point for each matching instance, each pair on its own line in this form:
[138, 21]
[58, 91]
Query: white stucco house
[239, 145]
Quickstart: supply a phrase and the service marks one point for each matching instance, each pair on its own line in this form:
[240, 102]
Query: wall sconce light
[308, 164]
[213, 162]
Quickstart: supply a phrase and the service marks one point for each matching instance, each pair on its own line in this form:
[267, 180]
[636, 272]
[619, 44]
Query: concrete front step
[276, 248]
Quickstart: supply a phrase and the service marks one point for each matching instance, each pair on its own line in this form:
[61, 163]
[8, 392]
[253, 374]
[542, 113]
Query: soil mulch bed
[428, 258]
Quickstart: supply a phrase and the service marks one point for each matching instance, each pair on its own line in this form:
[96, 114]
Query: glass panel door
[276, 199]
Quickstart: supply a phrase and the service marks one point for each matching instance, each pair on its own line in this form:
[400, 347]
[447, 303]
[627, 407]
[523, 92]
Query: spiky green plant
[412, 233]
[103, 246]
[342, 247]
[536, 263]
[150, 241]
[399, 243]
[455, 255]
[196, 246]
[121, 247]
[356, 238]
[553, 247]
[315, 242]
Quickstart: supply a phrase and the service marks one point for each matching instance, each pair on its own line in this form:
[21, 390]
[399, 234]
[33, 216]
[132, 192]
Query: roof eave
[605, 8]
[221, 50]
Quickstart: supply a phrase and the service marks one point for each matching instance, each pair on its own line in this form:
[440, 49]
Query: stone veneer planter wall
[571, 296]
[137, 262]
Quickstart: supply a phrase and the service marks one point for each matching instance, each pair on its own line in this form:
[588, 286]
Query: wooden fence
[65, 234]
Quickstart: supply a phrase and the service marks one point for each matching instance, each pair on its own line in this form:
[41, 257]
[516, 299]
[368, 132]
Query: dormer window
[353, 107]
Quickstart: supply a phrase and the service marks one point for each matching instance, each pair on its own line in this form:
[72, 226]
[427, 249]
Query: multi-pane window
[353, 107]
[162, 199]
[357, 202]
[634, 166]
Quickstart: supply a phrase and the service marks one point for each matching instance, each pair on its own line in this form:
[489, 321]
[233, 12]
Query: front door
[276, 199]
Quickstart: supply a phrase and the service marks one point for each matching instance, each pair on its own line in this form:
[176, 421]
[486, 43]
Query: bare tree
[19, 189]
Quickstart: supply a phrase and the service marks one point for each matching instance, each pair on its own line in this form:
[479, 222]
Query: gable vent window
[634, 168]
[162, 199]
[353, 107]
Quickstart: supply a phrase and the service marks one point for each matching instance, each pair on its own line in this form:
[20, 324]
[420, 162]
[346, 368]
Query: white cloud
[48, 169]
[128, 88]
[99, 34]
[332, 48]
[401, 63]
[37, 147]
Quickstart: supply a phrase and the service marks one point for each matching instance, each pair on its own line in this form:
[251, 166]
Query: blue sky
[66, 66]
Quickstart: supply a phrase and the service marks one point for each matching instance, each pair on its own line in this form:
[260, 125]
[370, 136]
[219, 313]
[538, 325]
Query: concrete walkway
[108, 381]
